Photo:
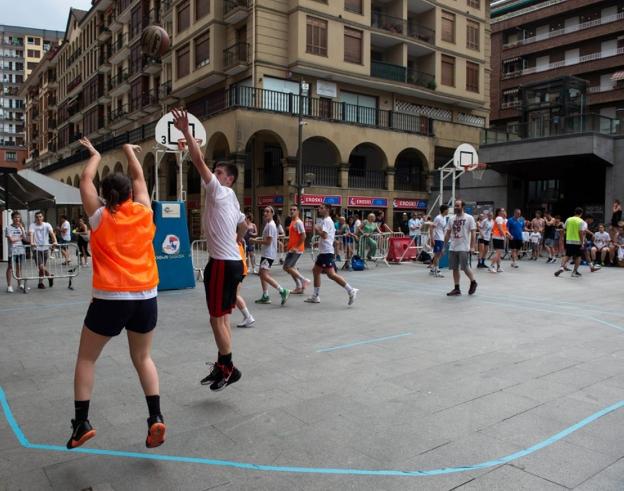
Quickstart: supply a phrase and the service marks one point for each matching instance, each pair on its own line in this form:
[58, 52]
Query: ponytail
[116, 188]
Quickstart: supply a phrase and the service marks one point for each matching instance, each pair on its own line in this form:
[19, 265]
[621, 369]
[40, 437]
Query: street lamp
[303, 90]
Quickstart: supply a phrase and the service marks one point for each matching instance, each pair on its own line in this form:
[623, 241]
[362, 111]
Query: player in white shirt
[40, 234]
[325, 262]
[268, 254]
[437, 239]
[602, 242]
[485, 236]
[462, 232]
[224, 226]
[535, 239]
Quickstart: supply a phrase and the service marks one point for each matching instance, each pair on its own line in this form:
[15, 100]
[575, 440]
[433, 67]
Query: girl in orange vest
[125, 280]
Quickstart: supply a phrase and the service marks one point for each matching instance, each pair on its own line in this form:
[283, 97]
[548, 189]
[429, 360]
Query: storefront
[363, 205]
[310, 204]
[407, 205]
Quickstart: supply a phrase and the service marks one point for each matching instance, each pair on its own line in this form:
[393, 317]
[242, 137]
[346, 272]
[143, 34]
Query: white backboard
[167, 135]
[465, 154]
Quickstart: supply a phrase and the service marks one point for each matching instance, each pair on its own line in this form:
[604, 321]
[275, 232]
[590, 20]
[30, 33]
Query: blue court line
[368, 341]
[303, 470]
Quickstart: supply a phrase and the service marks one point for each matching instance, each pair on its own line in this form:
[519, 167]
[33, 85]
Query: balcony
[119, 84]
[152, 65]
[236, 58]
[75, 112]
[104, 33]
[119, 117]
[120, 49]
[124, 11]
[73, 85]
[367, 179]
[146, 103]
[566, 30]
[564, 63]
[102, 5]
[73, 58]
[401, 74]
[235, 11]
[165, 9]
[164, 93]
[323, 175]
[402, 27]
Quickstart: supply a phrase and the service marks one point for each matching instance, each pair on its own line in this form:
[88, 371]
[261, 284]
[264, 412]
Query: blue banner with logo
[172, 246]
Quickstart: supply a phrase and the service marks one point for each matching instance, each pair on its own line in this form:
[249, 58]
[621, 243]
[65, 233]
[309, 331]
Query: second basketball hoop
[168, 136]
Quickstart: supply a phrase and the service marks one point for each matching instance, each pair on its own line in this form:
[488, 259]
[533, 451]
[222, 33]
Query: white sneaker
[492, 269]
[500, 270]
[313, 299]
[352, 295]
[247, 322]
[9, 289]
[306, 283]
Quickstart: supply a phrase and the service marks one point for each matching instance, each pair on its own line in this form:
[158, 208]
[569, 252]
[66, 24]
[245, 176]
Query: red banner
[368, 201]
[319, 199]
[409, 204]
[274, 199]
[247, 201]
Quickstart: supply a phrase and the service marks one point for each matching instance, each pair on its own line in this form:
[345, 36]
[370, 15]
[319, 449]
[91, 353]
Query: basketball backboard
[465, 155]
[167, 135]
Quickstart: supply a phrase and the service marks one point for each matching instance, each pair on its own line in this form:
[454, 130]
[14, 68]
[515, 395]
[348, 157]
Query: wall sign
[368, 201]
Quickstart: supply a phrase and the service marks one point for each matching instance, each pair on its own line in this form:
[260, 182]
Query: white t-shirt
[601, 239]
[439, 226]
[41, 235]
[535, 237]
[414, 224]
[461, 227]
[221, 217]
[94, 221]
[326, 246]
[66, 231]
[16, 233]
[486, 229]
[269, 250]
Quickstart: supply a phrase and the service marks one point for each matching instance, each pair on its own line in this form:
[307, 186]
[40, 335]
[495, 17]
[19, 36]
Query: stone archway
[410, 171]
[76, 181]
[105, 171]
[321, 158]
[267, 152]
[149, 171]
[217, 148]
[367, 166]
[118, 169]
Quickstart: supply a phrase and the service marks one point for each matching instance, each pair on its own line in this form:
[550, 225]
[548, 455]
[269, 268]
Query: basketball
[155, 41]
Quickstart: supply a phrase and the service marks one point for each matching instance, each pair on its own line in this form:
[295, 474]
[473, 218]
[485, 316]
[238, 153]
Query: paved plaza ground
[405, 380]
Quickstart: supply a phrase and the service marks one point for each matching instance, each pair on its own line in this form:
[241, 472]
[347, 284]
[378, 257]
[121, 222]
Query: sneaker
[565, 268]
[595, 268]
[263, 299]
[558, 272]
[313, 299]
[9, 289]
[514, 265]
[81, 432]
[576, 274]
[24, 288]
[473, 288]
[212, 376]
[352, 295]
[454, 292]
[500, 270]
[155, 431]
[226, 376]
[51, 281]
[437, 274]
[284, 293]
[432, 272]
[492, 269]
[297, 291]
[41, 286]
[248, 322]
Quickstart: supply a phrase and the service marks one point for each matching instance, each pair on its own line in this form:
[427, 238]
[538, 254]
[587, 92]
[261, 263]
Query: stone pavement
[452, 382]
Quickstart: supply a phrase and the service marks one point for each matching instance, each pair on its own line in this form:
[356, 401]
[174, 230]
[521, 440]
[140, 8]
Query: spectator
[82, 231]
[16, 235]
[40, 233]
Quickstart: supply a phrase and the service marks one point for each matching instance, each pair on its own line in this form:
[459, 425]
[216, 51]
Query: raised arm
[180, 121]
[88, 192]
[139, 186]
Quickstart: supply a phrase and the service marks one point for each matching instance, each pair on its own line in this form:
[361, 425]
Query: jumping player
[223, 222]
[125, 280]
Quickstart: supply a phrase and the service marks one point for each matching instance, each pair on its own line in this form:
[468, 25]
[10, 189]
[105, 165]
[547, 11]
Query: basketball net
[476, 170]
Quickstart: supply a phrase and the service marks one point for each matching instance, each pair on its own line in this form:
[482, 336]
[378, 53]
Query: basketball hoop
[182, 143]
[476, 170]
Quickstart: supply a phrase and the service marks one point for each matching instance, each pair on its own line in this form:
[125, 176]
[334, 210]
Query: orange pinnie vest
[123, 254]
[294, 237]
[241, 249]
[495, 232]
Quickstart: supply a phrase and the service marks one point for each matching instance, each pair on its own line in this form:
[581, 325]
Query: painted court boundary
[301, 470]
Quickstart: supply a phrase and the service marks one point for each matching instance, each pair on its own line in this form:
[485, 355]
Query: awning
[618, 76]
[30, 189]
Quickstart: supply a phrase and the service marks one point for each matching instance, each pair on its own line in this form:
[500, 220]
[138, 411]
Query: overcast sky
[40, 14]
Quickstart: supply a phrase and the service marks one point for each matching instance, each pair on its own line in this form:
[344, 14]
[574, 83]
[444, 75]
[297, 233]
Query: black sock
[153, 405]
[456, 287]
[82, 410]
[225, 359]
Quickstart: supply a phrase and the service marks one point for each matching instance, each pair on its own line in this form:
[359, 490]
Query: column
[390, 179]
[289, 165]
[343, 175]
[239, 186]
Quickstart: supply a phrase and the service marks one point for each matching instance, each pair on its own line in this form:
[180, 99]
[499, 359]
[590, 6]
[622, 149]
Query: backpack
[357, 264]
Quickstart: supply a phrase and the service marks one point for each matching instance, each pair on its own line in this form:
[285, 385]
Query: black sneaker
[155, 431]
[473, 288]
[41, 286]
[454, 292]
[229, 375]
[576, 274]
[558, 272]
[82, 431]
[51, 281]
[215, 374]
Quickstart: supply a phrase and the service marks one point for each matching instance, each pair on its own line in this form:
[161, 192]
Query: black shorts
[484, 241]
[515, 244]
[498, 244]
[109, 317]
[221, 280]
[326, 261]
[573, 250]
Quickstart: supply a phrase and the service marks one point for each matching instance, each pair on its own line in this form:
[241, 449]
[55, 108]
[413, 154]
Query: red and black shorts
[221, 280]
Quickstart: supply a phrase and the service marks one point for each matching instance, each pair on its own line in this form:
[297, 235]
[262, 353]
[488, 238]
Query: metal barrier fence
[199, 257]
[56, 262]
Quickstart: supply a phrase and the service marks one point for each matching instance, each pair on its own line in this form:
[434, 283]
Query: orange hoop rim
[182, 143]
[473, 167]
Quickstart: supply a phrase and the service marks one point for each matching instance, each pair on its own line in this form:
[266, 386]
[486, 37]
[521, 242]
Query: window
[448, 27]
[32, 53]
[316, 36]
[31, 40]
[202, 8]
[11, 155]
[472, 35]
[184, 16]
[352, 45]
[202, 49]
[353, 6]
[31, 65]
[448, 70]
[475, 4]
[472, 77]
[183, 59]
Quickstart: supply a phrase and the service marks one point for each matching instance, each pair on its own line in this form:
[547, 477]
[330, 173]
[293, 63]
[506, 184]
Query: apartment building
[387, 90]
[21, 49]
[557, 74]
